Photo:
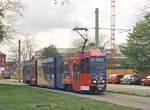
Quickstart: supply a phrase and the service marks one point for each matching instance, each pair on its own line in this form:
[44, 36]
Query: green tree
[49, 51]
[137, 51]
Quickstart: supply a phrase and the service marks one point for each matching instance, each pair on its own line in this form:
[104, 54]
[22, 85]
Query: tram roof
[95, 52]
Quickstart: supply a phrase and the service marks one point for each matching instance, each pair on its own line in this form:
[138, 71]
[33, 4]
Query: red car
[115, 78]
[146, 81]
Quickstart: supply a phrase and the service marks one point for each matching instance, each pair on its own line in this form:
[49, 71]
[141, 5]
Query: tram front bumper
[94, 88]
[99, 87]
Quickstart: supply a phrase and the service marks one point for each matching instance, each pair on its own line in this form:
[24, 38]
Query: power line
[127, 9]
[120, 29]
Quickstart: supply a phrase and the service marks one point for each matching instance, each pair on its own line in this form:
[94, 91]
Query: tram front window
[98, 69]
[97, 64]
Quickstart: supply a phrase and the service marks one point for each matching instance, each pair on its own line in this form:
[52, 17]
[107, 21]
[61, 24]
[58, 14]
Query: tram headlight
[103, 81]
[94, 81]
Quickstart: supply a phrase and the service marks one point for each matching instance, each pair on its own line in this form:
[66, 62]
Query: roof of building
[2, 54]
[66, 50]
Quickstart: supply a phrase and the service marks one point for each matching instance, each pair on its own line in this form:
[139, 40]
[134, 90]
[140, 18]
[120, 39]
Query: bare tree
[78, 43]
[14, 56]
[27, 49]
[10, 10]
[103, 43]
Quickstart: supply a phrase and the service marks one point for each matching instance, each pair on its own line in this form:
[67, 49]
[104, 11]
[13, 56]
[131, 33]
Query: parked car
[115, 78]
[7, 74]
[130, 79]
[146, 81]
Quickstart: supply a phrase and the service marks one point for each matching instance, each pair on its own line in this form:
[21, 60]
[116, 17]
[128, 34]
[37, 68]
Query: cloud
[42, 15]
[60, 37]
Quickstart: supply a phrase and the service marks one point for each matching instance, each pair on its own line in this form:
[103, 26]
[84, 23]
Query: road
[120, 99]
[132, 89]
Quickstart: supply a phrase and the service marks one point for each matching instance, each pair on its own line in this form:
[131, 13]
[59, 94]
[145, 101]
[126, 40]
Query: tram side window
[75, 68]
[75, 71]
[66, 67]
[44, 68]
[87, 65]
[82, 67]
[50, 69]
[61, 68]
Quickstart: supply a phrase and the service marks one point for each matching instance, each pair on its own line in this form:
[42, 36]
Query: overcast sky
[52, 23]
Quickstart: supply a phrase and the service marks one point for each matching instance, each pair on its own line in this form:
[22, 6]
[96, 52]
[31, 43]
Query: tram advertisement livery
[83, 72]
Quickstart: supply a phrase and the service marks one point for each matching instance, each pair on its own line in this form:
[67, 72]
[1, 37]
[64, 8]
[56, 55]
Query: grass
[27, 98]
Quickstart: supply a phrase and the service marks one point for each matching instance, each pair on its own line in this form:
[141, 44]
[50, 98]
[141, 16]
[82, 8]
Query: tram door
[75, 76]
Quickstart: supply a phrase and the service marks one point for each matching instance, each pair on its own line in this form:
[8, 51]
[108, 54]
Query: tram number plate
[99, 86]
[85, 88]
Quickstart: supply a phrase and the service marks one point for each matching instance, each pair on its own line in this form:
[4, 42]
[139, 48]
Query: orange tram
[84, 72]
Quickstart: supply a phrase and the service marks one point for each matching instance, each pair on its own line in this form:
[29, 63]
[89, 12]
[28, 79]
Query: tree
[146, 9]
[78, 43]
[27, 49]
[2, 32]
[10, 10]
[49, 51]
[137, 51]
[103, 42]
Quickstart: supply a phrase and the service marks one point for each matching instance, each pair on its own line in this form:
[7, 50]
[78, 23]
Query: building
[2, 62]
[115, 62]
[61, 51]
[65, 51]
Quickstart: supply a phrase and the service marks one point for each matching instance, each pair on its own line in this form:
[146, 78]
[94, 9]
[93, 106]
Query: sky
[51, 23]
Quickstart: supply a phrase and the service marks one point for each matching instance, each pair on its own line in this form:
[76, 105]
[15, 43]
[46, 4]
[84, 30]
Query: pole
[19, 60]
[113, 52]
[96, 28]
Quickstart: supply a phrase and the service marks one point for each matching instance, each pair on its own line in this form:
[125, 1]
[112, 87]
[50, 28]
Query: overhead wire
[125, 10]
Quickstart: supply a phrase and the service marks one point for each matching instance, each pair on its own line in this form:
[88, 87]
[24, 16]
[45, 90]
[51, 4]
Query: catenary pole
[19, 60]
[96, 28]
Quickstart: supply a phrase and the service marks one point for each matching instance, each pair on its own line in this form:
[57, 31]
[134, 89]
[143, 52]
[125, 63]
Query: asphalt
[132, 89]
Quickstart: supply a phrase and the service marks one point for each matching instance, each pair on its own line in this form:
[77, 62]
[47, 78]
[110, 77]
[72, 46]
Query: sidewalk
[11, 82]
